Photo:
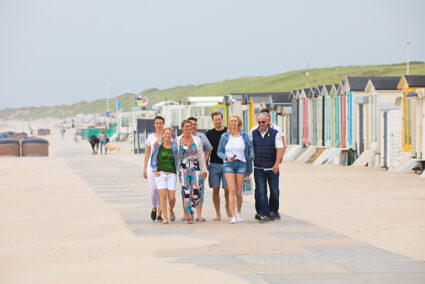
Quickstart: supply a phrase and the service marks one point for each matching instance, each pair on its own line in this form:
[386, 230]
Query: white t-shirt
[149, 142]
[235, 146]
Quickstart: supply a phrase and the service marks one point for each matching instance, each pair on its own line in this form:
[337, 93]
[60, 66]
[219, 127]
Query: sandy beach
[58, 226]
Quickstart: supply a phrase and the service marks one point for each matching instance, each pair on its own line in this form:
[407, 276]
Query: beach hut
[294, 118]
[356, 113]
[202, 108]
[326, 128]
[300, 117]
[342, 115]
[413, 112]
[334, 115]
[382, 92]
[306, 123]
[319, 115]
[281, 110]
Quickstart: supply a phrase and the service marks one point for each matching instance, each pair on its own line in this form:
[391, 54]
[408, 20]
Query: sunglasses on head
[261, 122]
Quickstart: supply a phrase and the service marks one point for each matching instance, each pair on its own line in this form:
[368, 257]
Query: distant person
[94, 143]
[215, 166]
[164, 165]
[62, 130]
[192, 169]
[236, 151]
[148, 174]
[206, 147]
[103, 138]
[268, 152]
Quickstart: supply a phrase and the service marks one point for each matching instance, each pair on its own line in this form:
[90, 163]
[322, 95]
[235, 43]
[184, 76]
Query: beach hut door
[385, 139]
[361, 138]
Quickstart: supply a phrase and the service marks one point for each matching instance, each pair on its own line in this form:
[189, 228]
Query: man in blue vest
[268, 150]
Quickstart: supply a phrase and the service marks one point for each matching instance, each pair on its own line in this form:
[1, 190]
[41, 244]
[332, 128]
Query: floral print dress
[190, 177]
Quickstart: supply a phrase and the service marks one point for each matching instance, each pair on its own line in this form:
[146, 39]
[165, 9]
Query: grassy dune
[276, 83]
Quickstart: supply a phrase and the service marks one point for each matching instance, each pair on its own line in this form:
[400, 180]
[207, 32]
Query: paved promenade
[286, 251]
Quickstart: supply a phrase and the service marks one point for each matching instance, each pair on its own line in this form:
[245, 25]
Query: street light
[108, 87]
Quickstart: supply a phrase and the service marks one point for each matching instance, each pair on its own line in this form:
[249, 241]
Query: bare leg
[239, 184]
[199, 210]
[226, 197]
[172, 202]
[163, 196]
[231, 182]
[216, 201]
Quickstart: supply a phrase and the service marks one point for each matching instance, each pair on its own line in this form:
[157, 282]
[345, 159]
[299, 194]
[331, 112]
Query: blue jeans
[262, 205]
[102, 144]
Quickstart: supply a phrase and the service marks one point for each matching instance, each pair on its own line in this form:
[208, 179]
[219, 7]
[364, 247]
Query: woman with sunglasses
[237, 152]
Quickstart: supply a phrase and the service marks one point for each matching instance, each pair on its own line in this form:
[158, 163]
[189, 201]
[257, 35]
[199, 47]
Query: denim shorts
[216, 175]
[235, 167]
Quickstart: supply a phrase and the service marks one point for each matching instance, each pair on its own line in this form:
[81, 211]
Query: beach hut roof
[385, 83]
[415, 80]
[317, 91]
[357, 83]
[283, 97]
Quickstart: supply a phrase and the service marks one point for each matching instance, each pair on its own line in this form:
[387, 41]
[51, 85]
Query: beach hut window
[208, 111]
[196, 111]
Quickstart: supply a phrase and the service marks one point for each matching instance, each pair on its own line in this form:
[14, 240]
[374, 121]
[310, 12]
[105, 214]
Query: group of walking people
[102, 138]
[226, 155]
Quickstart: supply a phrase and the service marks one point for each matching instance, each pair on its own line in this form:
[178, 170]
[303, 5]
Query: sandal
[200, 219]
[172, 216]
[165, 222]
[185, 218]
[190, 220]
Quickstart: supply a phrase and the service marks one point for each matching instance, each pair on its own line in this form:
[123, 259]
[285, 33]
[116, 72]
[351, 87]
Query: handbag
[247, 185]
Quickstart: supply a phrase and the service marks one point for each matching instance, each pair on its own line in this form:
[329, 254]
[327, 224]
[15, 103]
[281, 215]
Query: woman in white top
[237, 152]
[152, 139]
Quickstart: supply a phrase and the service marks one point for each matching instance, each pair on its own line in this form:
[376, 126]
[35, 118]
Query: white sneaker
[233, 220]
[239, 217]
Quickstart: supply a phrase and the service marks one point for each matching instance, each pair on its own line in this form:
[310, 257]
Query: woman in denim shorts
[237, 152]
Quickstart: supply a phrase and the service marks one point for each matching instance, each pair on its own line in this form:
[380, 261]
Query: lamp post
[407, 57]
[108, 89]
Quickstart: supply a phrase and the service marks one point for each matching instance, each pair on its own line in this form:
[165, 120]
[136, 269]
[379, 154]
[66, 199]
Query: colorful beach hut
[327, 115]
[384, 131]
[294, 118]
[356, 112]
[413, 112]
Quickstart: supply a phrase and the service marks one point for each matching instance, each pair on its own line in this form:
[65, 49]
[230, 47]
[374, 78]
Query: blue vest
[264, 148]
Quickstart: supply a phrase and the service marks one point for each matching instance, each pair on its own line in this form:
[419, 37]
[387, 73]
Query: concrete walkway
[286, 251]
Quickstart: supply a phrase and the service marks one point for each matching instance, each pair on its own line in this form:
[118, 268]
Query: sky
[62, 52]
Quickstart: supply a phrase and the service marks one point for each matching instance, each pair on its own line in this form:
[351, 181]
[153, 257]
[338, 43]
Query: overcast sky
[61, 52]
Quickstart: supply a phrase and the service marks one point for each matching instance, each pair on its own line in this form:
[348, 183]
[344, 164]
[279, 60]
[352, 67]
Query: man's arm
[279, 155]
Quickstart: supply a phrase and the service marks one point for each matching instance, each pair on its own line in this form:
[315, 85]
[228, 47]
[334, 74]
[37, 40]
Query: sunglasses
[261, 122]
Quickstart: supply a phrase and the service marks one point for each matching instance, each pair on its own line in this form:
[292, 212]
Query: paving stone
[298, 235]
[163, 232]
[344, 254]
[358, 278]
[251, 278]
[118, 201]
[400, 267]
[281, 224]
[133, 213]
[210, 259]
